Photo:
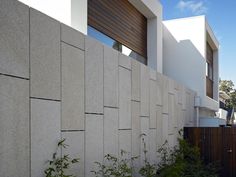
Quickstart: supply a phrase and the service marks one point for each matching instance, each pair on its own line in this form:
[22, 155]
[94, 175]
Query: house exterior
[57, 81]
[190, 56]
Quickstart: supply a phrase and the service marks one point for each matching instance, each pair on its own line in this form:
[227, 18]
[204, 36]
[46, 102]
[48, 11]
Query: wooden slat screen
[121, 21]
[209, 87]
[209, 54]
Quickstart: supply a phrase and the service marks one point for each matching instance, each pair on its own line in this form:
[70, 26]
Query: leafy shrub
[58, 164]
[115, 167]
[183, 161]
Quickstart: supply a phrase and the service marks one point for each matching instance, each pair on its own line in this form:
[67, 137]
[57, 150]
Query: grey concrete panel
[93, 142]
[44, 56]
[153, 101]
[93, 76]
[124, 61]
[159, 89]
[45, 133]
[72, 36]
[136, 132]
[14, 127]
[125, 143]
[72, 88]
[144, 90]
[135, 74]
[110, 77]
[75, 141]
[111, 134]
[14, 38]
[165, 90]
[124, 98]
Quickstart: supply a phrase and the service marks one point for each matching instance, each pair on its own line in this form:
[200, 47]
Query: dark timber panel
[121, 21]
[216, 144]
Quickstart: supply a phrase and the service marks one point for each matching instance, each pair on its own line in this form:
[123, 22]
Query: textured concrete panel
[164, 127]
[93, 76]
[159, 89]
[110, 77]
[72, 88]
[135, 74]
[111, 131]
[144, 90]
[45, 133]
[159, 126]
[153, 74]
[14, 127]
[124, 98]
[93, 142]
[44, 56]
[152, 106]
[136, 132]
[124, 61]
[153, 145]
[171, 106]
[125, 142]
[14, 38]
[144, 138]
[75, 140]
[165, 90]
[72, 36]
[171, 86]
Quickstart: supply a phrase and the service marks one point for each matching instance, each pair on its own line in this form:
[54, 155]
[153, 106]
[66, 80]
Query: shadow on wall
[183, 62]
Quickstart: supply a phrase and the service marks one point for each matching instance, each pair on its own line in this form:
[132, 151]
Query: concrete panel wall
[76, 88]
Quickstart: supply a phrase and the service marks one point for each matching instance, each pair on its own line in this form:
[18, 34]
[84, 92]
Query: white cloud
[195, 7]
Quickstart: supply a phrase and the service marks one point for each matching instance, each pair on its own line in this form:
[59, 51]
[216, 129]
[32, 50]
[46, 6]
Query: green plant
[58, 164]
[183, 161]
[115, 167]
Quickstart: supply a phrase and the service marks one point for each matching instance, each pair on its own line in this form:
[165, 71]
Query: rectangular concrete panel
[153, 146]
[165, 92]
[144, 90]
[93, 76]
[164, 128]
[14, 38]
[72, 88]
[44, 56]
[159, 125]
[144, 139]
[124, 98]
[93, 142]
[124, 61]
[14, 127]
[45, 133]
[135, 82]
[153, 74]
[125, 143]
[111, 131]
[171, 113]
[75, 149]
[152, 104]
[110, 77]
[136, 132]
[159, 90]
[72, 36]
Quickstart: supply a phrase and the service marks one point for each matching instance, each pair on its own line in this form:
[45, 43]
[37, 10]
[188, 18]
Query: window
[209, 71]
[121, 23]
[115, 44]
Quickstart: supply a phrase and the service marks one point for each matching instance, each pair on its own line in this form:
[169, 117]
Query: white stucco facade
[184, 58]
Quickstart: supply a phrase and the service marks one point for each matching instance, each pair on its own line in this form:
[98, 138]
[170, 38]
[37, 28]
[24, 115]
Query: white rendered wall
[184, 52]
[57, 9]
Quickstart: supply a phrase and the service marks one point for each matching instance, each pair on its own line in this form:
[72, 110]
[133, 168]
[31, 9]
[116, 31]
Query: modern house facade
[57, 81]
[190, 56]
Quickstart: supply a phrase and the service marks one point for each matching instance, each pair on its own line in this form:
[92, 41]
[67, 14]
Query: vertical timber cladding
[121, 21]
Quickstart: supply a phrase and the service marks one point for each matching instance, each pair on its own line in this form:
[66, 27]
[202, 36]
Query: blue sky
[221, 16]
